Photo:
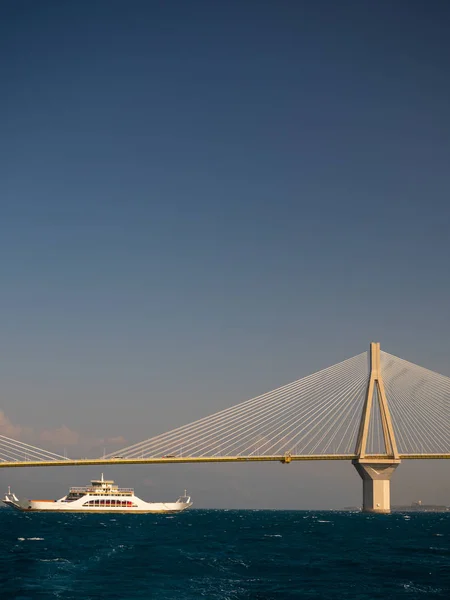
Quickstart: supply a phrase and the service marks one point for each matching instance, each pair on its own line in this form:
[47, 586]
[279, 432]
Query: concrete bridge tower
[376, 470]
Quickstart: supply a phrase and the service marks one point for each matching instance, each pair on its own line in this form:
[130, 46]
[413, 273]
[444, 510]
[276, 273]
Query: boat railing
[100, 489]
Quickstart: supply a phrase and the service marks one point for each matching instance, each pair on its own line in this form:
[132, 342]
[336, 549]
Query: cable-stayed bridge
[374, 410]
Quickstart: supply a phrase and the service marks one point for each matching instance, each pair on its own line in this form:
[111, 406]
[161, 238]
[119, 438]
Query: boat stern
[11, 500]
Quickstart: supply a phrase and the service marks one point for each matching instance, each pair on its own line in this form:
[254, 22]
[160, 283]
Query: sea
[224, 554]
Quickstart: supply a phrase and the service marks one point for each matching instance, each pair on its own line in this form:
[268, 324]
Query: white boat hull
[58, 506]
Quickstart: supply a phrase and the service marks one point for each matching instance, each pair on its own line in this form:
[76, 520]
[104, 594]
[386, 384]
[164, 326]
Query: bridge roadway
[284, 458]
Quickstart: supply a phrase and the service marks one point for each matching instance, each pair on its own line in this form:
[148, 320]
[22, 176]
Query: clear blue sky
[201, 201]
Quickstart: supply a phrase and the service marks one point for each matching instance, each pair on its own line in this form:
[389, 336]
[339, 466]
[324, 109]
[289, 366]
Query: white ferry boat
[101, 496]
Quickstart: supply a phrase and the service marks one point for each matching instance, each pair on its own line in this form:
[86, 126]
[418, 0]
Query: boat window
[111, 503]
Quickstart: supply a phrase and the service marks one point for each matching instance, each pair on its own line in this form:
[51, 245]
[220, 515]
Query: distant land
[420, 507]
[413, 507]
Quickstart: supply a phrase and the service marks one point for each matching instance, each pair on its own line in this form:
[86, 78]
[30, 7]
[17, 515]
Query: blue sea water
[226, 555]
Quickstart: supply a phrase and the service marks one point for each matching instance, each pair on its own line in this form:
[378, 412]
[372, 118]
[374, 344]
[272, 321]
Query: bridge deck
[207, 459]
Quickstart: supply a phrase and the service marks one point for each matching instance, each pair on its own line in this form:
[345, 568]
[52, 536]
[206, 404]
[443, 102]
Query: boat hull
[79, 506]
[58, 507]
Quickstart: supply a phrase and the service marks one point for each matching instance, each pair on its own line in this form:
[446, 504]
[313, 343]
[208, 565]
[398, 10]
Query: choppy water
[257, 555]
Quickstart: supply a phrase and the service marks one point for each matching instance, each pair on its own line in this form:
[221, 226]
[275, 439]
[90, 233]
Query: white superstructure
[101, 496]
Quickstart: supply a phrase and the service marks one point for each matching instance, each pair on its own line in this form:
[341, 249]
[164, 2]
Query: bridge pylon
[376, 469]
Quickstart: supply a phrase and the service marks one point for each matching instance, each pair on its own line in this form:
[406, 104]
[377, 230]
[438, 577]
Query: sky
[202, 201]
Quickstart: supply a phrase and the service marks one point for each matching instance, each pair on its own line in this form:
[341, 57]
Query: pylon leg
[376, 477]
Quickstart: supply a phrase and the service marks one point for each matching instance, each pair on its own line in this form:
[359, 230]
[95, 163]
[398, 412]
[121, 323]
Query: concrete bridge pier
[376, 475]
[376, 471]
